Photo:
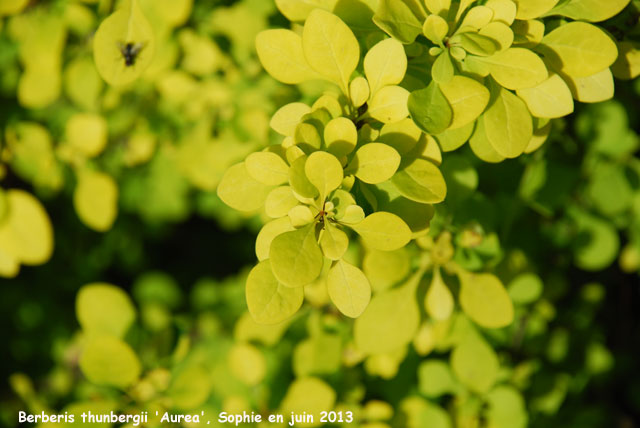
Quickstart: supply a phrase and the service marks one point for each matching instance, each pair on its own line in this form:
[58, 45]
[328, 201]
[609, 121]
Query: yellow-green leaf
[190, 387]
[348, 288]
[240, 191]
[435, 28]
[504, 11]
[517, 68]
[439, 300]
[308, 395]
[430, 109]
[528, 34]
[475, 364]
[340, 136]
[385, 268]
[383, 231]
[485, 300]
[108, 361]
[269, 301]
[477, 44]
[279, 201]
[247, 363]
[298, 179]
[375, 162]
[12, 7]
[467, 99]
[500, 33]
[359, 91]
[26, 234]
[438, 7]
[390, 321]
[508, 124]
[480, 145]
[295, 257]
[452, 139]
[300, 215]
[324, 171]
[267, 234]
[285, 120]
[627, 66]
[281, 55]
[333, 242]
[530, 9]
[476, 18]
[124, 31]
[297, 10]
[507, 408]
[525, 288]
[443, 70]
[550, 99]
[87, 133]
[435, 378]
[396, 19]
[96, 200]
[578, 49]
[104, 309]
[385, 64]
[389, 104]
[402, 136]
[330, 47]
[591, 89]
[267, 167]
[590, 10]
[421, 181]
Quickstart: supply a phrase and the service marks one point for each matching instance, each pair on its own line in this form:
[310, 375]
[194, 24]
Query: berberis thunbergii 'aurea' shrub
[413, 80]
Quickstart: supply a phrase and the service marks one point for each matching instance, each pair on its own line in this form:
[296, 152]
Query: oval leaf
[96, 200]
[421, 181]
[375, 162]
[269, 301]
[108, 361]
[267, 168]
[330, 47]
[383, 231]
[295, 257]
[281, 55]
[385, 64]
[104, 309]
[578, 49]
[508, 124]
[485, 300]
[324, 171]
[124, 45]
[348, 288]
[439, 300]
[430, 109]
[241, 191]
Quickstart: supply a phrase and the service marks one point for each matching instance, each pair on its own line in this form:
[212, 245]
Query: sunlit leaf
[383, 231]
[485, 300]
[295, 257]
[104, 309]
[121, 34]
[385, 64]
[96, 200]
[269, 301]
[108, 361]
[475, 364]
[375, 162]
[330, 47]
[578, 49]
[348, 288]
